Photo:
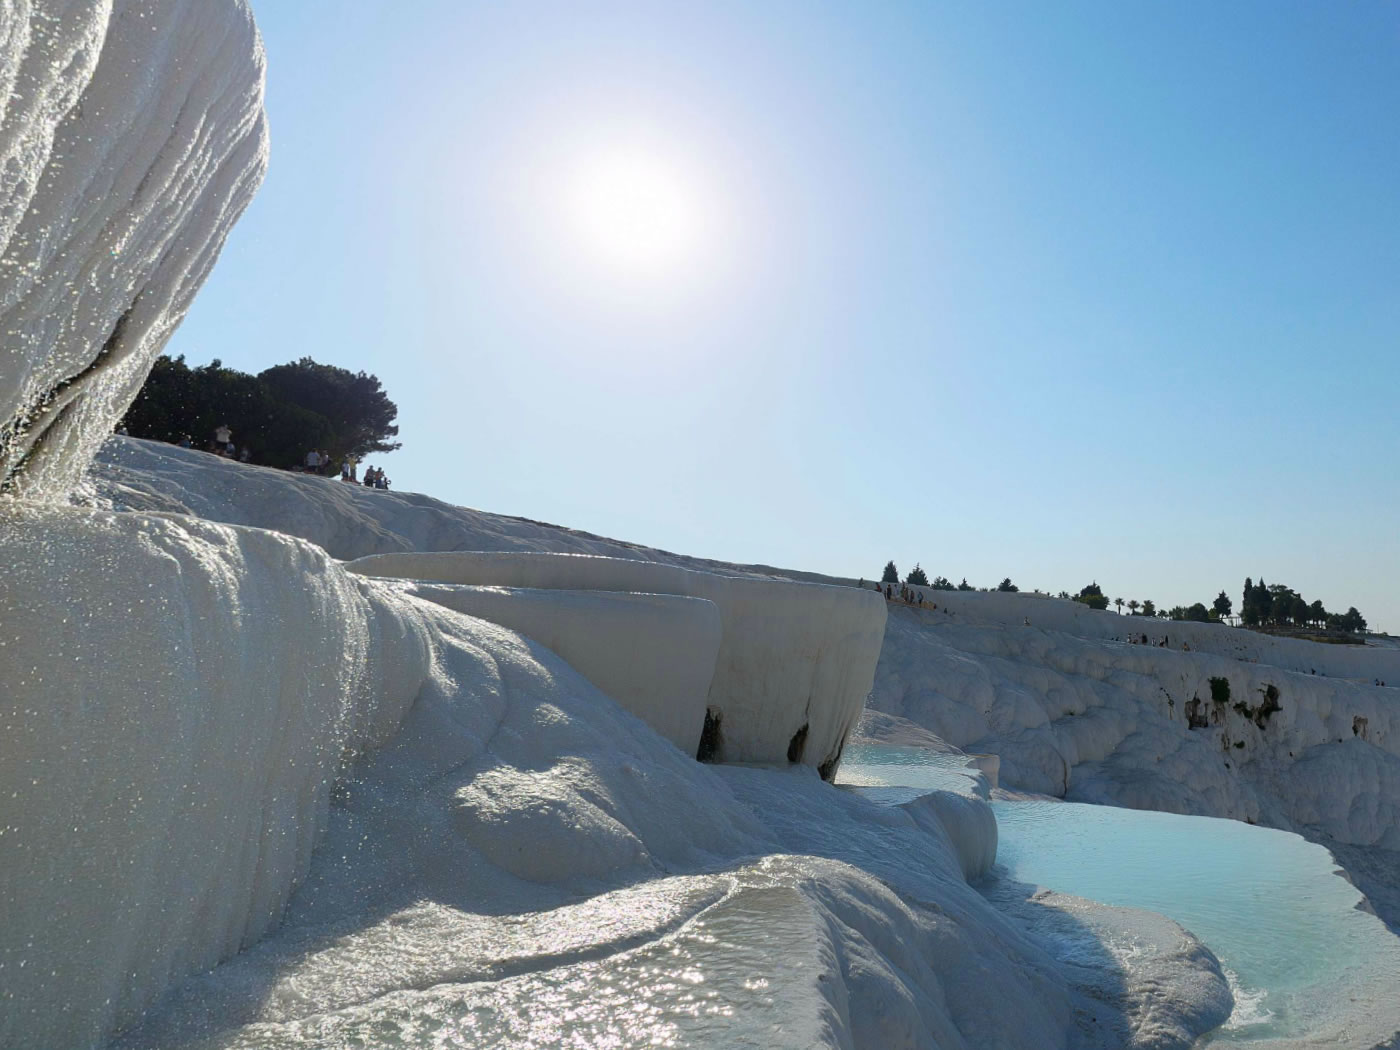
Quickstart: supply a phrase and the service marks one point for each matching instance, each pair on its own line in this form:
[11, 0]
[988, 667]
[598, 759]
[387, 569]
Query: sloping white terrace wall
[796, 661]
[652, 653]
[132, 137]
[1096, 719]
[177, 698]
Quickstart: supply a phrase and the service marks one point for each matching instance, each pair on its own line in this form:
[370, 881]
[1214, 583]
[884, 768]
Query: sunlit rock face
[202, 719]
[795, 663]
[652, 653]
[132, 136]
[167, 755]
[1199, 719]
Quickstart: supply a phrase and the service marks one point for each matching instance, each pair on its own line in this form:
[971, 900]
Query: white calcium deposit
[201, 718]
[652, 653]
[131, 138]
[795, 662]
[1077, 706]
[1065, 702]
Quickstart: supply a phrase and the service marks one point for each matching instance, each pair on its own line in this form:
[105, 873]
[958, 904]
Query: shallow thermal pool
[1305, 960]
[898, 774]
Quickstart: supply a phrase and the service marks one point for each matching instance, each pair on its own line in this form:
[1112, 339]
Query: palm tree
[1133, 606]
[1119, 602]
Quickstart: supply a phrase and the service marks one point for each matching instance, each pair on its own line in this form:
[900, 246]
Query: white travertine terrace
[795, 663]
[1065, 705]
[203, 719]
[1202, 719]
[652, 653]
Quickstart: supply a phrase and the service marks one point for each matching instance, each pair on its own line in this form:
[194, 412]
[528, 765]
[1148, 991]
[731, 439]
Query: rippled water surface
[1303, 955]
[897, 774]
[1268, 903]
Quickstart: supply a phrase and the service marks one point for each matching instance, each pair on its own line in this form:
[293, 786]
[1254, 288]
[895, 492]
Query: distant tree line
[1263, 605]
[1275, 605]
[279, 414]
[918, 578]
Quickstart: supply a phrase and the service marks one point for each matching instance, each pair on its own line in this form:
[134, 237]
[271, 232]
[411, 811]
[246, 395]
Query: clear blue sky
[1055, 291]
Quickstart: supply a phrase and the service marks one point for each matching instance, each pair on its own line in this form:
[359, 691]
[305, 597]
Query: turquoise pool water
[892, 775]
[1305, 960]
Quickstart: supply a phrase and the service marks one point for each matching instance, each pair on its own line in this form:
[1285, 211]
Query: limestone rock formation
[132, 136]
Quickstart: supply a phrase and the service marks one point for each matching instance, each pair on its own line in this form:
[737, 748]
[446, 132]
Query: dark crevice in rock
[832, 761]
[24, 435]
[797, 744]
[1260, 715]
[708, 751]
[1196, 717]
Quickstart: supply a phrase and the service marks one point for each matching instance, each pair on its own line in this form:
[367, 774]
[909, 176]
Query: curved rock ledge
[796, 660]
[652, 653]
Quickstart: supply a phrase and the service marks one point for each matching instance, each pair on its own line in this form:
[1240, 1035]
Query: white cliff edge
[795, 663]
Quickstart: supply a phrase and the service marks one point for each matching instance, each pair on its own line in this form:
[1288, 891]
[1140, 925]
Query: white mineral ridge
[131, 138]
[506, 857]
[1067, 706]
[1077, 711]
[795, 662]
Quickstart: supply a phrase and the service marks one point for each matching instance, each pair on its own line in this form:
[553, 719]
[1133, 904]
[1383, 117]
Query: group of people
[906, 594]
[1134, 639]
[318, 462]
[374, 478]
[222, 445]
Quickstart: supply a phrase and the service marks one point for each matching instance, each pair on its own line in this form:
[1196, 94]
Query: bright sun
[635, 213]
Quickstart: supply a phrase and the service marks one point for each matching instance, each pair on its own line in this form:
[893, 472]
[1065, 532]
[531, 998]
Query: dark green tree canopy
[917, 577]
[1093, 596]
[1221, 606]
[303, 406]
[354, 402]
[1007, 585]
[891, 574]
[1276, 605]
[965, 586]
[1351, 620]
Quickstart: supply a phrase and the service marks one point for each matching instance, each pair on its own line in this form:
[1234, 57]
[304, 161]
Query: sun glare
[635, 213]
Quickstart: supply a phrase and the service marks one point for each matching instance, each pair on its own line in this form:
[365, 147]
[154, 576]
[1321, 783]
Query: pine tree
[917, 577]
[891, 574]
[1249, 604]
